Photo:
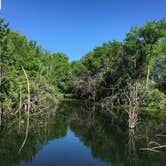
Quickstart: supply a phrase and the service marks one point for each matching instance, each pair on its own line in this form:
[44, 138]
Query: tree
[4, 30]
[148, 37]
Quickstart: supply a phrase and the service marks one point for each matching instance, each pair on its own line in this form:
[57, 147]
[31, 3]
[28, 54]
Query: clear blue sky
[77, 26]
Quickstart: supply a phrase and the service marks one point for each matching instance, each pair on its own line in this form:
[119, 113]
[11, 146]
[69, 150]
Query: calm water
[73, 134]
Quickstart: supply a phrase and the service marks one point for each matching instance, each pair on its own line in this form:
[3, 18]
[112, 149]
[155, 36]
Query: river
[75, 135]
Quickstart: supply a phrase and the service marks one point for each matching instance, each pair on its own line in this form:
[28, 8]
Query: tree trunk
[1, 90]
[147, 77]
[20, 110]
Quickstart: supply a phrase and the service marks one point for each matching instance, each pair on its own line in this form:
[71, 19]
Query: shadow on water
[104, 135]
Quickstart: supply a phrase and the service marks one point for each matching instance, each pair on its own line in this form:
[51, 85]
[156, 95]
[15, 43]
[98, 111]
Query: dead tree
[112, 98]
[133, 100]
[86, 87]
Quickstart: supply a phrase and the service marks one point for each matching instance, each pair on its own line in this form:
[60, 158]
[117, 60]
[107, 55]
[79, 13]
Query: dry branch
[28, 109]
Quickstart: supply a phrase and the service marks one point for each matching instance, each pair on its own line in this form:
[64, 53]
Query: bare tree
[87, 87]
[133, 100]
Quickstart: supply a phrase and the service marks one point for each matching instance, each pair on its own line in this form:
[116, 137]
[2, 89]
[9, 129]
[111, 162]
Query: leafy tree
[148, 38]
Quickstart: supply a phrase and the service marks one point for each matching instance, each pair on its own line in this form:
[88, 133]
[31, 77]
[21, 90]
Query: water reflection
[76, 135]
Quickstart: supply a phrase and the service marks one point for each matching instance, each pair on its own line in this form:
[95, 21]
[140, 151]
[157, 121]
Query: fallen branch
[149, 149]
[154, 148]
[28, 110]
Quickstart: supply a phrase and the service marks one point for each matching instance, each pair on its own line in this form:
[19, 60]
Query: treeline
[47, 72]
[120, 73]
[129, 72]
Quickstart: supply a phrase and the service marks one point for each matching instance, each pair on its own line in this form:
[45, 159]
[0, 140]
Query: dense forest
[129, 73]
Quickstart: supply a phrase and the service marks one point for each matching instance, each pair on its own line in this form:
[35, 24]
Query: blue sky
[77, 26]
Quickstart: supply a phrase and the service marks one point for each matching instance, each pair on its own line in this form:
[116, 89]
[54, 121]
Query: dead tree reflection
[132, 158]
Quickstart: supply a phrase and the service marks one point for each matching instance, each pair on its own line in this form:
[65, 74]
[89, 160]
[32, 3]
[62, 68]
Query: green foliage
[49, 74]
[112, 67]
[58, 71]
[154, 99]
[141, 57]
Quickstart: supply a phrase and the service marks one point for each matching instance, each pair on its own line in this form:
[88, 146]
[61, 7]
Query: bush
[153, 98]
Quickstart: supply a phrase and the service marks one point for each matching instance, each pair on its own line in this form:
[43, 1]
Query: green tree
[148, 37]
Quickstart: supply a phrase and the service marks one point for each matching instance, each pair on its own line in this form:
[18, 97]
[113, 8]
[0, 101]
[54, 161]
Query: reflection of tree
[100, 137]
[106, 134]
[154, 133]
[111, 141]
[41, 130]
[132, 159]
[88, 116]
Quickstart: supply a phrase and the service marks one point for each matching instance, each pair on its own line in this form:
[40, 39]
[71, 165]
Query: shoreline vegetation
[131, 73]
[110, 105]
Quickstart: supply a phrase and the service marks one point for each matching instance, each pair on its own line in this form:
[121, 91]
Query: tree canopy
[109, 69]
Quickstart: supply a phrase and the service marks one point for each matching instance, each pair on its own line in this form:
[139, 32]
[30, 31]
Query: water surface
[74, 134]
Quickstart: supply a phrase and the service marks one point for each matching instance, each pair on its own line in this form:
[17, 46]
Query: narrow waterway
[75, 135]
